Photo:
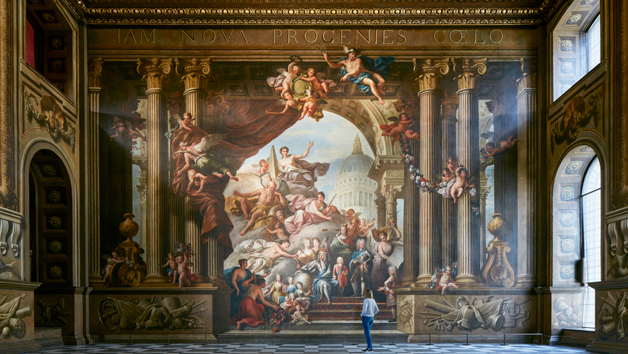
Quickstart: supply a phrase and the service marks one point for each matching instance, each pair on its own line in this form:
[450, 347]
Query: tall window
[590, 198]
[593, 43]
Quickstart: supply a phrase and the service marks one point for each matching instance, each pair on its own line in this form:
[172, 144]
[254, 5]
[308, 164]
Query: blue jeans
[367, 322]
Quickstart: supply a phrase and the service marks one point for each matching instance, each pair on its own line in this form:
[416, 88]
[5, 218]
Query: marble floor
[298, 348]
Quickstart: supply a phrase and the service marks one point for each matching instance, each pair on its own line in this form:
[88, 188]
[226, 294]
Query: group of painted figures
[316, 278]
[306, 91]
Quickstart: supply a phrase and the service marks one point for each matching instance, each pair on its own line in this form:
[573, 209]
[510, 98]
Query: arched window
[361, 203]
[590, 201]
[576, 45]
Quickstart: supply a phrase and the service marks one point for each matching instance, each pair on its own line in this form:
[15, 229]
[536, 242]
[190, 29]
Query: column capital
[389, 192]
[430, 72]
[449, 105]
[194, 72]
[469, 72]
[93, 72]
[155, 71]
[528, 75]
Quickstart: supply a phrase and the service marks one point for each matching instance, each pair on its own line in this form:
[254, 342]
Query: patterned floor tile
[401, 348]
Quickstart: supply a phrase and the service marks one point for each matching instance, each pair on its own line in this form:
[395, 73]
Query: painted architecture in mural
[207, 172]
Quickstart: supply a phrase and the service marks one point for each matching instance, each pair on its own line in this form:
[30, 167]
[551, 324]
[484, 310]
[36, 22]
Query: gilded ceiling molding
[271, 22]
[491, 15]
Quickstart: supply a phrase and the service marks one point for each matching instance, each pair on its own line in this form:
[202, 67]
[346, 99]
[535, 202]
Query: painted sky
[333, 142]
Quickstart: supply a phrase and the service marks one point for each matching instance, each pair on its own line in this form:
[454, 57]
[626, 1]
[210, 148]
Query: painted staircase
[339, 322]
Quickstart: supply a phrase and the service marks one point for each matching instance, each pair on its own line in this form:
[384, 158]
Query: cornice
[283, 12]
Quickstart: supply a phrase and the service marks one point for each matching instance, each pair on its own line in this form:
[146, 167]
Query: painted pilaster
[194, 75]
[449, 217]
[430, 86]
[155, 72]
[469, 73]
[527, 122]
[93, 172]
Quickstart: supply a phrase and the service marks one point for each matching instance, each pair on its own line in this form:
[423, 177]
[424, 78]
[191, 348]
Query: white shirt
[369, 308]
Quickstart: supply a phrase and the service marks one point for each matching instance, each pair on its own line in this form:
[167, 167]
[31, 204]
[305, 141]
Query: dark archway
[51, 224]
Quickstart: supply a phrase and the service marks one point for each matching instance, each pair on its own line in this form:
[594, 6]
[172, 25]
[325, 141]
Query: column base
[156, 278]
[423, 279]
[218, 282]
[468, 281]
[202, 278]
[526, 281]
[95, 278]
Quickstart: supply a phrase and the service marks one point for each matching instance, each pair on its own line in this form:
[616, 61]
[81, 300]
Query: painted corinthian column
[526, 149]
[155, 72]
[92, 128]
[430, 77]
[468, 155]
[195, 73]
[449, 217]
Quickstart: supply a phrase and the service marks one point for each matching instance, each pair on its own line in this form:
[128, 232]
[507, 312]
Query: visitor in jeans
[369, 310]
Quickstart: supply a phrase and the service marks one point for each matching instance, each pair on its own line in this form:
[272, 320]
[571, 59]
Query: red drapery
[248, 128]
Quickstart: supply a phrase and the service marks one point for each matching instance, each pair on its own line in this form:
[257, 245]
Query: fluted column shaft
[411, 208]
[155, 74]
[195, 105]
[195, 77]
[429, 81]
[449, 216]
[468, 155]
[526, 170]
[92, 129]
[380, 202]
[429, 214]
[156, 202]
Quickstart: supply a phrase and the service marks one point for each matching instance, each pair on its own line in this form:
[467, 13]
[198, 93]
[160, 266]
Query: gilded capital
[469, 72]
[449, 103]
[155, 71]
[94, 71]
[528, 75]
[430, 73]
[390, 192]
[194, 72]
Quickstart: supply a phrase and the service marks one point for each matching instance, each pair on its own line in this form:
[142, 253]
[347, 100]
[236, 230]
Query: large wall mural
[293, 182]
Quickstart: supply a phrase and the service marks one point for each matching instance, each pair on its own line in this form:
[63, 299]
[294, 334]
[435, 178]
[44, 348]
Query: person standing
[369, 310]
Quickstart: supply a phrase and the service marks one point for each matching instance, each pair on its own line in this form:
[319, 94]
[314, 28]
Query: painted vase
[498, 226]
[128, 227]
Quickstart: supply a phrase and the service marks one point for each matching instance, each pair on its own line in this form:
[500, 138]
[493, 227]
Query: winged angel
[201, 165]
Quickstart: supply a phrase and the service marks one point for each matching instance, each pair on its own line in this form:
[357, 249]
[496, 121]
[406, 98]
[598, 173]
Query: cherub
[299, 317]
[137, 122]
[122, 131]
[186, 121]
[171, 267]
[279, 232]
[364, 227]
[452, 164]
[200, 160]
[399, 127]
[263, 167]
[447, 176]
[309, 106]
[434, 278]
[289, 102]
[460, 184]
[363, 71]
[491, 149]
[289, 304]
[111, 261]
[446, 281]
[282, 82]
[318, 83]
[183, 271]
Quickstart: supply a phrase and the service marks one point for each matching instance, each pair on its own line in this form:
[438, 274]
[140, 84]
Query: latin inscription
[310, 36]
